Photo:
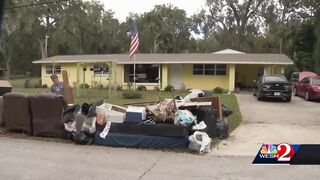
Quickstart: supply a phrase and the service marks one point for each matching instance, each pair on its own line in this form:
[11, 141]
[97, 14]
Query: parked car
[298, 76]
[273, 86]
[309, 88]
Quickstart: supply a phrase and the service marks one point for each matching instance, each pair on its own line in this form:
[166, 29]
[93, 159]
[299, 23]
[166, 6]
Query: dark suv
[273, 86]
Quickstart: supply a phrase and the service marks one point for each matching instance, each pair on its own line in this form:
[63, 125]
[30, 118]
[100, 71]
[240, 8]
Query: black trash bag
[226, 111]
[85, 108]
[81, 138]
[89, 109]
[222, 129]
[69, 113]
[207, 114]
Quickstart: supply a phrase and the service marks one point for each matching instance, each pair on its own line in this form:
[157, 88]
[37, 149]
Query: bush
[129, 84]
[156, 88]
[44, 86]
[27, 83]
[119, 88]
[132, 95]
[141, 88]
[37, 86]
[169, 88]
[218, 90]
[84, 86]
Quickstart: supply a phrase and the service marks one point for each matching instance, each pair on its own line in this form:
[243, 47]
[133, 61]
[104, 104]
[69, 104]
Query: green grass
[19, 83]
[231, 101]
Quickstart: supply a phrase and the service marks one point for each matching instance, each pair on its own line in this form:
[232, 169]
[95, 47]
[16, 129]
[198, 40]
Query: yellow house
[227, 69]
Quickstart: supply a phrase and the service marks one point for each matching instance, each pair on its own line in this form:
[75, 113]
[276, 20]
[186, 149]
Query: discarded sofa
[47, 110]
[17, 113]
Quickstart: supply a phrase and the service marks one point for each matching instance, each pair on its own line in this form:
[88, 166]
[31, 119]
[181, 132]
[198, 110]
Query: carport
[247, 73]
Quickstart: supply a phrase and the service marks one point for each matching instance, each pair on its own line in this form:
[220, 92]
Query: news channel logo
[282, 153]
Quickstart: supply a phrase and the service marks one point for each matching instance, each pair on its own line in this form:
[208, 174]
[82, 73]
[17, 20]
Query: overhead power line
[35, 4]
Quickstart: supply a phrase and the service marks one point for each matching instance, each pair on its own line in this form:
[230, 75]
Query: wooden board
[215, 103]
[68, 95]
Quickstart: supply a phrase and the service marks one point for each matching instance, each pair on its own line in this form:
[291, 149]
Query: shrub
[156, 88]
[37, 86]
[27, 83]
[129, 84]
[119, 88]
[44, 86]
[141, 88]
[169, 88]
[84, 86]
[218, 90]
[132, 95]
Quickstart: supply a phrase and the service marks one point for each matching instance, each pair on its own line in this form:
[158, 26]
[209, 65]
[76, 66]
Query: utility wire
[35, 4]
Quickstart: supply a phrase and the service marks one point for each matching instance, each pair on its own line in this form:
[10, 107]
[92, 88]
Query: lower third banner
[291, 154]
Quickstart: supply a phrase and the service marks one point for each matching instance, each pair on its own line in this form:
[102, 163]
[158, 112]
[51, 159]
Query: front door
[175, 79]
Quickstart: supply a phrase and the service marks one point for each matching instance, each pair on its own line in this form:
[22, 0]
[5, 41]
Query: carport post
[78, 80]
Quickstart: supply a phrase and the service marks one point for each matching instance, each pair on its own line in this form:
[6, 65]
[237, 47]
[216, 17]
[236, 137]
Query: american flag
[134, 41]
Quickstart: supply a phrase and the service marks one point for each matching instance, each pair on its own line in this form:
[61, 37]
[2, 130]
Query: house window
[210, 69]
[50, 70]
[100, 69]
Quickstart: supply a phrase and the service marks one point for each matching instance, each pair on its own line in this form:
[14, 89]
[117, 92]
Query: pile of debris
[190, 122]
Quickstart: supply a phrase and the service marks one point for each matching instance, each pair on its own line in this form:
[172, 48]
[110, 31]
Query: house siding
[204, 82]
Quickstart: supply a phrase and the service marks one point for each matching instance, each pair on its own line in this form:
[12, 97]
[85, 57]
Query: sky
[122, 8]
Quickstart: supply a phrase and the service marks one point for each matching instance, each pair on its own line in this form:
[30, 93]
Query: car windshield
[316, 81]
[295, 75]
[274, 79]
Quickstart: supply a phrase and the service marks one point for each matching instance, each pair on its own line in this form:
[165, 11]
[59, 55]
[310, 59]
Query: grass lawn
[92, 95]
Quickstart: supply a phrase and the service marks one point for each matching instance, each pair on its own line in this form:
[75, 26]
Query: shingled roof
[189, 58]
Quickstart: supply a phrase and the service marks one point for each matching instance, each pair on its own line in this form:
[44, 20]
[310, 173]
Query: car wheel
[288, 99]
[295, 92]
[306, 96]
[259, 98]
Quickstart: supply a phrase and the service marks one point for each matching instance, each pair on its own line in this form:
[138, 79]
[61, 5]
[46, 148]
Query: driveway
[272, 122]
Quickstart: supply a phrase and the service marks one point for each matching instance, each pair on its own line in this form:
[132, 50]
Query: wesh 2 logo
[273, 153]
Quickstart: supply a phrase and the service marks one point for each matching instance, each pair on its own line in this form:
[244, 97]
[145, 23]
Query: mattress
[168, 130]
[141, 141]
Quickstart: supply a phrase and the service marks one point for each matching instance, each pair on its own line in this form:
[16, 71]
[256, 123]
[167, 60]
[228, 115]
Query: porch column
[78, 80]
[164, 75]
[282, 69]
[232, 77]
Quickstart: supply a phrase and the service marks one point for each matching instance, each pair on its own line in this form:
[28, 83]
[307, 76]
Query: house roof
[228, 51]
[188, 58]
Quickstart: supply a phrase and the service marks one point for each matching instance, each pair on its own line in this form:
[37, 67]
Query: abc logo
[285, 152]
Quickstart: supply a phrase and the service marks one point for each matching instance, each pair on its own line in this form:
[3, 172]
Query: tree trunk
[42, 49]
[8, 65]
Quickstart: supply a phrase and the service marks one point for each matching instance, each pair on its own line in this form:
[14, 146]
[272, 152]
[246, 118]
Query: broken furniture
[17, 112]
[1, 111]
[144, 135]
[47, 110]
[5, 87]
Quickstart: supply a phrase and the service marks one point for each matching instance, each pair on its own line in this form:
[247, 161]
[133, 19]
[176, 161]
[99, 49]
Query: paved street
[32, 159]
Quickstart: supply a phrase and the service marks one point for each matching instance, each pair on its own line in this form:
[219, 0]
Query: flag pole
[134, 72]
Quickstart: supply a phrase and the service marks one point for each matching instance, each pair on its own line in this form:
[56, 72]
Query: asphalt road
[32, 159]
